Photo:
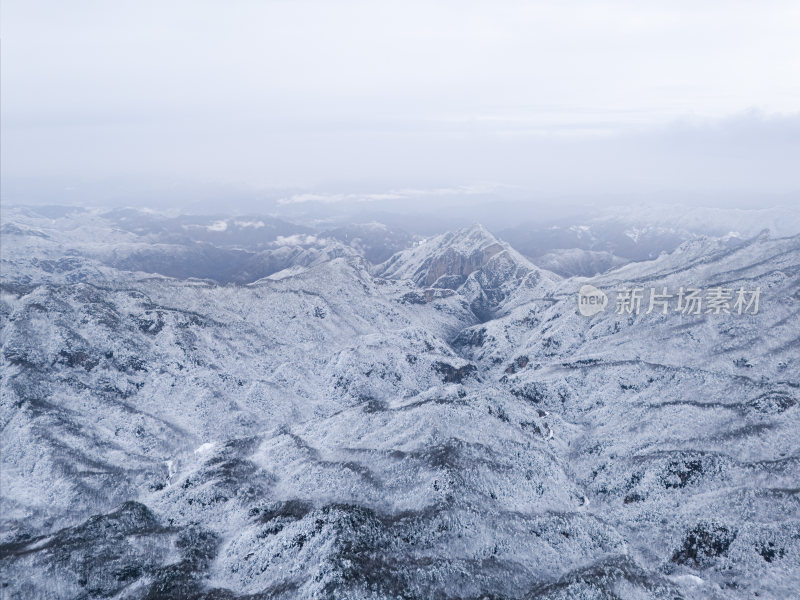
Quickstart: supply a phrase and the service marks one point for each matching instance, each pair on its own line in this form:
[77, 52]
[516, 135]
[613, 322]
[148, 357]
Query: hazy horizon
[257, 105]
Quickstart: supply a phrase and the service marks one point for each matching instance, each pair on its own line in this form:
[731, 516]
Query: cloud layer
[570, 97]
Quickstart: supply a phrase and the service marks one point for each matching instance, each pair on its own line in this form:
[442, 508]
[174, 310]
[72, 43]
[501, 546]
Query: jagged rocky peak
[487, 272]
[445, 260]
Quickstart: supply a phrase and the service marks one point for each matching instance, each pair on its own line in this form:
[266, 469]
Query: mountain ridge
[343, 433]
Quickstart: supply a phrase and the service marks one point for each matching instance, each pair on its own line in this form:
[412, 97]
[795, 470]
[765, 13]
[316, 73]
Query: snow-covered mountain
[594, 241]
[440, 425]
[489, 273]
[574, 261]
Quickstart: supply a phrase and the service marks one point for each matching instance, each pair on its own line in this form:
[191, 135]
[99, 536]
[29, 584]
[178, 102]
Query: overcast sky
[372, 97]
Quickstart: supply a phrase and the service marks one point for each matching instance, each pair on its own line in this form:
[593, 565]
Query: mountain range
[212, 408]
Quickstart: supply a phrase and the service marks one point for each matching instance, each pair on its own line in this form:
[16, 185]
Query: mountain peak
[454, 254]
[468, 239]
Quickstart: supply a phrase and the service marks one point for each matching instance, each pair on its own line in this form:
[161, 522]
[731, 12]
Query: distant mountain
[224, 251]
[248, 232]
[616, 238]
[574, 261]
[374, 241]
[591, 243]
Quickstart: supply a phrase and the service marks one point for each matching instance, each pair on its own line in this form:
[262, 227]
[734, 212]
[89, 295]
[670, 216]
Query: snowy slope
[443, 425]
[489, 273]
